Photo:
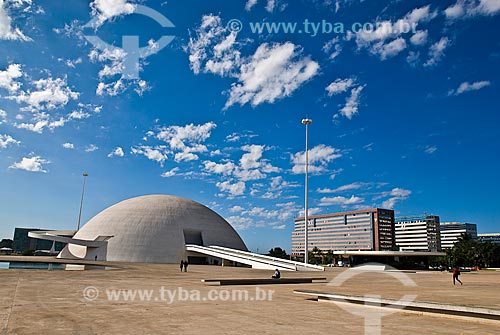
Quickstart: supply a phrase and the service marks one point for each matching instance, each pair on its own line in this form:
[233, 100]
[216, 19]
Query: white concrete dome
[153, 229]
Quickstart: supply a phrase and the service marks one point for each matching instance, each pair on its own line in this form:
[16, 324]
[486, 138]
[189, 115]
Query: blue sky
[402, 118]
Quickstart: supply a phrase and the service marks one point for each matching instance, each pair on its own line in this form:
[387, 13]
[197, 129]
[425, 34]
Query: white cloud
[116, 58]
[118, 152]
[270, 5]
[389, 50]
[118, 74]
[8, 77]
[214, 48]
[387, 40]
[186, 141]
[234, 137]
[342, 201]
[71, 62]
[3, 116]
[339, 86]
[396, 195]
[42, 120]
[234, 189]
[273, 72]
[250, 4]
[47, 94]
[78, 115]
[170, 173]
[105, 10]
[240, 223]
[319, 157]
[32, 164]
[91, 148]
[251, 166]
[413, 58]
[333, 48]
[68, 145]
[7, 32]
[311, 211]
[218, 168]
[276, 187]
[436, 51]
[351, 106]
[430, 149]
[236, 209]
[468, 87]
[250, 159]
[463, 9]
[156, 154]
[352, 103]
[6, 140]
[419, 38]
[343, 188]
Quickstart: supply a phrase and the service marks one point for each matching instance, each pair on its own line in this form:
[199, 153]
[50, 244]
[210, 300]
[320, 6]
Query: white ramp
[256, 261]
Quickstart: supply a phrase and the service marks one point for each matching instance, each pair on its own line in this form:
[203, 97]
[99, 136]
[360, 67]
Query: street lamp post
[81, 200]
[306, 122]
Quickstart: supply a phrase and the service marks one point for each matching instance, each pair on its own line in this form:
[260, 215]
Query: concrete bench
[261, 281]
[408, 306]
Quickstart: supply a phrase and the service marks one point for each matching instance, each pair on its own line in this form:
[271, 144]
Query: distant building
[452, 231]
[22, 242]
[420, 233]
[492, 238]
[368, 229]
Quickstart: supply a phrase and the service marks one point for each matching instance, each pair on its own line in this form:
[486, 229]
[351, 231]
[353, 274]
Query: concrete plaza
[89, 302]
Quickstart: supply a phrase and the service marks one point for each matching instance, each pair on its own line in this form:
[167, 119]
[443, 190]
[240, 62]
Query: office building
[492, 238]
[368, 230]
[22, 243]
[452, 231]
[419, 233]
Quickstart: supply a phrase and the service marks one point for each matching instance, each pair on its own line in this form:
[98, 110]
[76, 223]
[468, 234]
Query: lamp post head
[307, 121]
[85, 175]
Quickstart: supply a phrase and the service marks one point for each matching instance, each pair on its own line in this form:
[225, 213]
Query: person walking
[182, 264]
[186, 266]
[456, 273]
[277, 274]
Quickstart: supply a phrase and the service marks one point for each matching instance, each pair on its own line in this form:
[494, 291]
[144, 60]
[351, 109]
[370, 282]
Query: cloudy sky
[204, 99]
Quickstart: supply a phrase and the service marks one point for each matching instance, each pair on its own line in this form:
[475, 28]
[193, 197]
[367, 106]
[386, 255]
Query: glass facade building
[369, 229]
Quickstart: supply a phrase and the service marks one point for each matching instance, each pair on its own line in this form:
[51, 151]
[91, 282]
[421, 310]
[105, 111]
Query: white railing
[255, 260]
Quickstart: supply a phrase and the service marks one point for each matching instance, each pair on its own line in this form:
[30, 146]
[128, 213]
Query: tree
[6, 243]
[29, 252]
[469, 252]
[315, 256]
[328, 257]
[278, 253]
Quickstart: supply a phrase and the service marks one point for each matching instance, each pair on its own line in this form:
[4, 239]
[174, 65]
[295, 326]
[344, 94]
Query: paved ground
[57, 302]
